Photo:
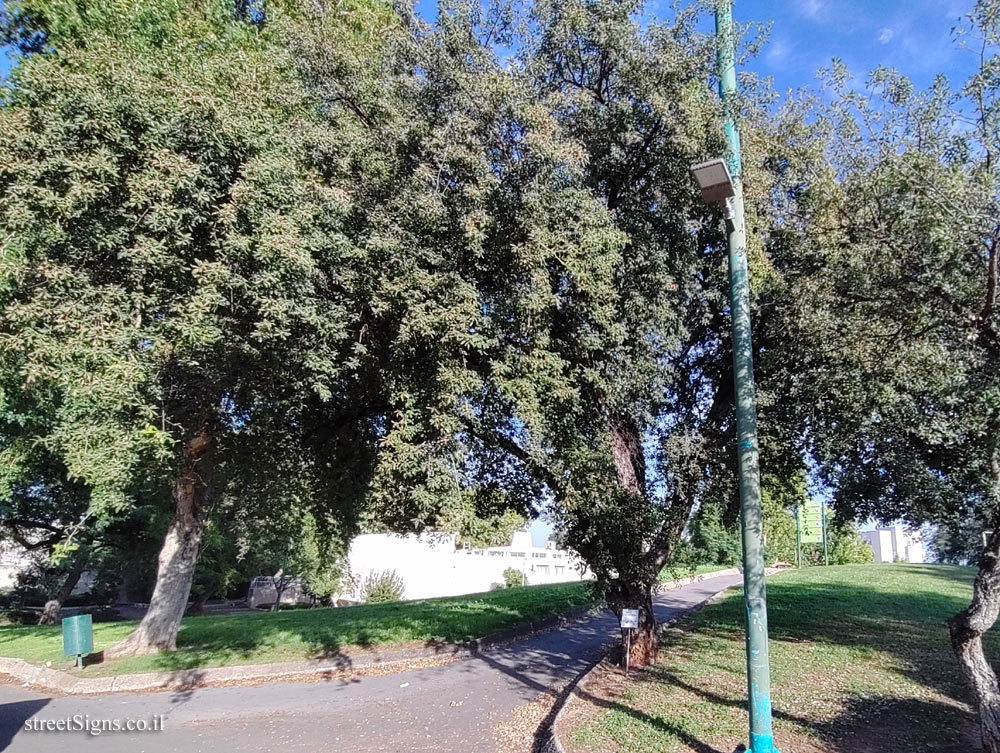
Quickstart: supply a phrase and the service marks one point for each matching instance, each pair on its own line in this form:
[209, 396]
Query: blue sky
[913, 36]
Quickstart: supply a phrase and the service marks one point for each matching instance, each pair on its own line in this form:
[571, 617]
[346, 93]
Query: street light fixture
[714, 180]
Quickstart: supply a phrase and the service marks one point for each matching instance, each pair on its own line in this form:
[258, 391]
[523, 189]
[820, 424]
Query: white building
[13, 560]
[894, 544]
[430, 564]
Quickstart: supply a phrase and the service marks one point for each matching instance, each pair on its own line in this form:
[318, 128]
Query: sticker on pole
[630, 618]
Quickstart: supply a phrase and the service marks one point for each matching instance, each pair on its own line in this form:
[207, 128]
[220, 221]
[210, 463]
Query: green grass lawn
[860, 659]
[309, 633]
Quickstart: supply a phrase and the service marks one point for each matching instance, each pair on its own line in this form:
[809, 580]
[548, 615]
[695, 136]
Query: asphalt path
[467, 706]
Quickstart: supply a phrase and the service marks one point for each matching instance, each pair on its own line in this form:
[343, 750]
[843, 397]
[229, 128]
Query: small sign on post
[630, 620]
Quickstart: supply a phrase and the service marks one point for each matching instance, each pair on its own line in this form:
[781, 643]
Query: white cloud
[813, 8]
[776, 53]
[885, 35]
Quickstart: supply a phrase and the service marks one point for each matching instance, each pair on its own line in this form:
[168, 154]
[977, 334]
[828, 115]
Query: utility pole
[758, 665]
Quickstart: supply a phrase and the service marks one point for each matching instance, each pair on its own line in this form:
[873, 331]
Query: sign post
[826, 549]
[798, 535]
[630, 621]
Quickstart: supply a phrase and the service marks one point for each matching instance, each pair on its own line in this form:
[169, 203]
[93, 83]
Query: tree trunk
[967, 628]
[158, 629]
[630, 471]
[626, 450]
[279, 589]
[645, 638]
[50, 614]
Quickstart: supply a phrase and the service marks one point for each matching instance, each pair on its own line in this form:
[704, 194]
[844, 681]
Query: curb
[46, 678]
[550, 737]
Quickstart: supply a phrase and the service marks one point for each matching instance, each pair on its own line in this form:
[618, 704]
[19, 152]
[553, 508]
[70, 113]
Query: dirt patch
[518, 733]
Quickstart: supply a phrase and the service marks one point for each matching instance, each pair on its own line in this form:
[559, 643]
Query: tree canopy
[280, 271]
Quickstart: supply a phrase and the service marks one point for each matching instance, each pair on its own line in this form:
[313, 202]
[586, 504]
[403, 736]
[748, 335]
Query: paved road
[475, 705]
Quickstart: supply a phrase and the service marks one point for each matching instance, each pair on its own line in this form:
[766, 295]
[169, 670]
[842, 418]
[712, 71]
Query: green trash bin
[78, 637]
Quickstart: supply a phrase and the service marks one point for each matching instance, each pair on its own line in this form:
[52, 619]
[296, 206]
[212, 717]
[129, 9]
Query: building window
[517, 554]
[539, 555]
[543, 569]
[557, 556]
[559, 570]
[496, 554]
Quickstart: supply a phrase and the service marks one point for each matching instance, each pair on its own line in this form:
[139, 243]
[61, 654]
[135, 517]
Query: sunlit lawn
[860, 661]
[309, 633]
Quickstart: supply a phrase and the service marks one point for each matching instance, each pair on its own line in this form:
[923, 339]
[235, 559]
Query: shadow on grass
[910, 624]
[899, 619]
[337, 636]
[561, 691]
[867, 723]
[654, 722]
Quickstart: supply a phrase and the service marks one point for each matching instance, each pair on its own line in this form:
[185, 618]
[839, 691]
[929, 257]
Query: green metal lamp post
[722, 181]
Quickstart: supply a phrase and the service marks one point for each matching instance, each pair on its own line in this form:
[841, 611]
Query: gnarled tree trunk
[645, 638]
[967, 628]
[158, 629]
[50, 613]
[630, 470]
[626, 450]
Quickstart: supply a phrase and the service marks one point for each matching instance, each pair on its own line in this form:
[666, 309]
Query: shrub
[382, 586]
[849, 547]
[513, 578]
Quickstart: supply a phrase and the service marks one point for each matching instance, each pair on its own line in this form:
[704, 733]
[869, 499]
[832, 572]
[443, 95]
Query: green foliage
[714, 541]
[848, 547]
[629, 350]
[480, 520]
[958, 541]
[896, 210]
[402, 281]
[779, 533]
[777, 506]
[380, 587]
[167, 247]
[512, 578]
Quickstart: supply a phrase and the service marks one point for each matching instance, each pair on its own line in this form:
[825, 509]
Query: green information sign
[811, 523]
